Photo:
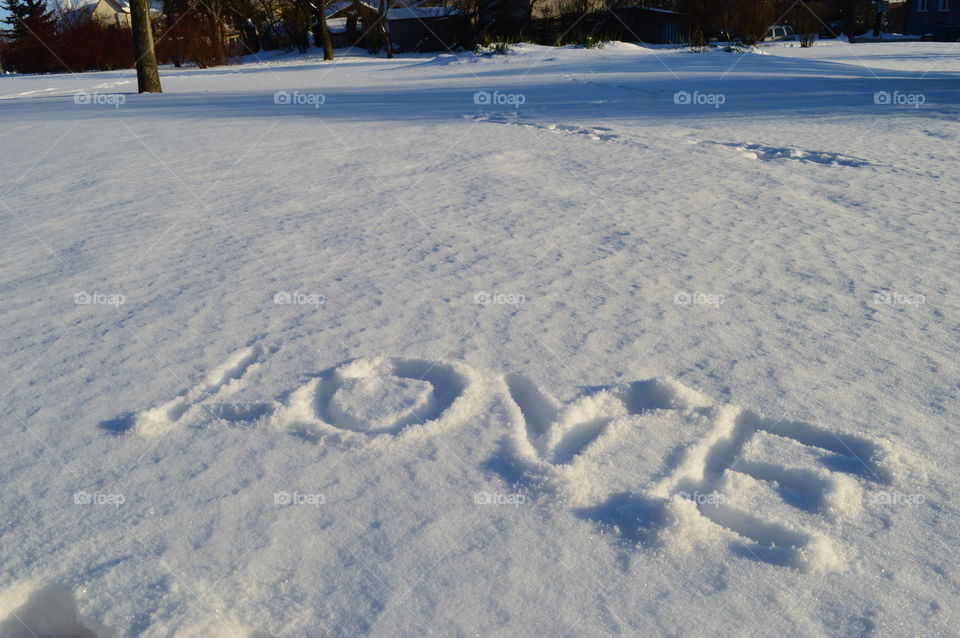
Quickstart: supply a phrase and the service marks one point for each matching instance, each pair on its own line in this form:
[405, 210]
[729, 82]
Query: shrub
[95, 46]
[495, 48]
[698, 42]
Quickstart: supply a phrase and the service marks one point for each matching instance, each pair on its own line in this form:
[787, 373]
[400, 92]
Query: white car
[779, 32]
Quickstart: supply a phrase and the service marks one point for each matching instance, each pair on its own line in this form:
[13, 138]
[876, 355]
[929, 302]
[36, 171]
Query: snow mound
[48, 611]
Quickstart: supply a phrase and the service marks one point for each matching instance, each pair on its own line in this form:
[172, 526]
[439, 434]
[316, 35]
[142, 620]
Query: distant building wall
[924, 16]
[428, 34]
[108, 14]
[651, 26]
[627, 24]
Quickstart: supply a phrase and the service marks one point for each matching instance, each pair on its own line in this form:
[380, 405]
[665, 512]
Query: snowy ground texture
[567, 342]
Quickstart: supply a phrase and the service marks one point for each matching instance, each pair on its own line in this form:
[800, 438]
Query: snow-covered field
[567, 342]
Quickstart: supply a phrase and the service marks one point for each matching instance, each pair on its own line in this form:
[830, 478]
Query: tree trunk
[850, 19]
[384, 32]
[148, 77]
[215, 11]
[325, 38]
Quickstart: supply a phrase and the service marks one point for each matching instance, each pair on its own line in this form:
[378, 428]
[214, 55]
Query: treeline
[747, 20]
[744, 21]
[211, 32]
[41, 39]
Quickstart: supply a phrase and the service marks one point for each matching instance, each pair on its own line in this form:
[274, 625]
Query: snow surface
[564, 342]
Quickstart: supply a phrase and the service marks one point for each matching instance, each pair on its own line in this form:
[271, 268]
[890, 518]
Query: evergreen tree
[31, 36]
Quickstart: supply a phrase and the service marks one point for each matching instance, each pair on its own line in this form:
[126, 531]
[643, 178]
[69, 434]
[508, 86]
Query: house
[106, 12]
[929, 16]
[349, 22]
[412, 26]
[428, 28]
[625, 23]
[649, 25]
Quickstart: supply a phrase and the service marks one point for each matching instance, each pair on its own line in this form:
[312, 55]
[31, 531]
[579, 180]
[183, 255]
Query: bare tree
[806, 18]
[214, 10]
[751, 18]
[321, 34]
[850, 19]
[148, 77]
[382, 27]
